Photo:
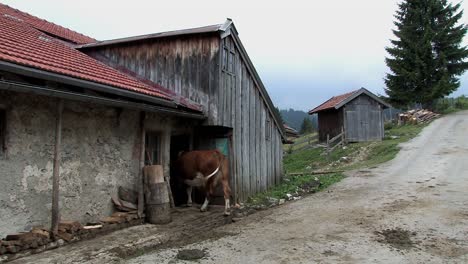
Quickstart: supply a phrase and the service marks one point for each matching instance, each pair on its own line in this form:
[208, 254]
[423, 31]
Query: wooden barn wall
[186, 65]
[329, 123]
[364, 121]
[211, 71]
[257, 140]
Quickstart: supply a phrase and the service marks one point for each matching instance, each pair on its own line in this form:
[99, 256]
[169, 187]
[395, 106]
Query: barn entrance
[216, 137]
[204, 138]
[178, 143]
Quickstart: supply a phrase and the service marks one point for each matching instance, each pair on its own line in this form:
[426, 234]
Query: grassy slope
[360, 155]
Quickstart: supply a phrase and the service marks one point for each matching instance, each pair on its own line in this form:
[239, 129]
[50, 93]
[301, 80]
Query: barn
[81, 117]
[357, 113]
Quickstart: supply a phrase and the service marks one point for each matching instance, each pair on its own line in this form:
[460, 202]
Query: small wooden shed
[358, 113]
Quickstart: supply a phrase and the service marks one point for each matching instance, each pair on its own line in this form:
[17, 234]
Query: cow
[204, 169]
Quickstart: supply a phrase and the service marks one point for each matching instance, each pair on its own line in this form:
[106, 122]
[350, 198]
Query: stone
[281, 201]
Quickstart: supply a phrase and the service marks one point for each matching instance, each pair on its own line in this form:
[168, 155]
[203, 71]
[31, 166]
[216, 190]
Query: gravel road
[413, 209]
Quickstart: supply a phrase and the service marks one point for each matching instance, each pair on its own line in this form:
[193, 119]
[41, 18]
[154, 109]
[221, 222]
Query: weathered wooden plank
[252, 146]
[238, 130]
[244, 126]
[263, 147]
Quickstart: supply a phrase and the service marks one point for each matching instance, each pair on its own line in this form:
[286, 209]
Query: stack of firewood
[416, 117]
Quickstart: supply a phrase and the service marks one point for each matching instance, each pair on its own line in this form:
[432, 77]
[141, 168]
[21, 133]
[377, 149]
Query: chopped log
[112, 220]
[65, 236]
[128, 195]
[12, 249]
[92, 227]
[153, 174]
[41, 232]
[11, 243]
[18, 236]
[70, 226]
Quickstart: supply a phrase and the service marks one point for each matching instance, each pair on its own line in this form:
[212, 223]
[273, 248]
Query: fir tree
[306, 126]
[426, 58]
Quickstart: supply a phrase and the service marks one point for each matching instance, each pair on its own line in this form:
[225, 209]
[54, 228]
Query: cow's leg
[226, 192]
[204, 207]
[189, 196]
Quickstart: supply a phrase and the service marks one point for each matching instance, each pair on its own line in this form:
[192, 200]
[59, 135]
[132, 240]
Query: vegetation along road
[413, 209]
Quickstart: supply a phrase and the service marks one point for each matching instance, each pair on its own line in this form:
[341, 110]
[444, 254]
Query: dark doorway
[179, 143]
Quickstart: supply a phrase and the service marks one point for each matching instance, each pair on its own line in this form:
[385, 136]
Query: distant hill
[294, 118]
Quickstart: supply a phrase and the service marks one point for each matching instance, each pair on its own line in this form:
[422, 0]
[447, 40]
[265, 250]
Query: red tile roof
[24, 45]
[332, 102]
[45, 26]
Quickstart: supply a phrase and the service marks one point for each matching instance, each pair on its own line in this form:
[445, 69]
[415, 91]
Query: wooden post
[232, 169]
[328, 146]
[141, 178]
[342, 137]
[56, 173]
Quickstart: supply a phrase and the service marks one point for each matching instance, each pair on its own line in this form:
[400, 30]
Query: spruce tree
[306, 126]
[426, 58]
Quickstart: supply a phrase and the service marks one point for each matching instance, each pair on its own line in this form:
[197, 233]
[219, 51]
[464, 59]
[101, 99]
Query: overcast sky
[305, 51]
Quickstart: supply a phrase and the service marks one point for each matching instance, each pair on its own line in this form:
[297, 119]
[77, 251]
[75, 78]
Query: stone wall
[100, 151]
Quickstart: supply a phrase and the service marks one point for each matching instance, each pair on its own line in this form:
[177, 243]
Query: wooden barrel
[158, 209]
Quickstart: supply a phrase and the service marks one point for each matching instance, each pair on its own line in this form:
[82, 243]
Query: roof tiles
[332, 102]
[24, 45]
[45, 26]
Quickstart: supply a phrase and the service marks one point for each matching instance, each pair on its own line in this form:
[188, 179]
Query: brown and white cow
[204, 169]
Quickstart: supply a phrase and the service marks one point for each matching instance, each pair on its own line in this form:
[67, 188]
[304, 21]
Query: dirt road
[413, 209]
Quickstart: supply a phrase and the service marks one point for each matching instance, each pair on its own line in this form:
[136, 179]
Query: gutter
[38, 90]
[40, 74]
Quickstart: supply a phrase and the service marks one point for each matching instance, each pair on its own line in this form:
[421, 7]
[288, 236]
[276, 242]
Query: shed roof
[44, 25]
[338, 101]
[190, 31]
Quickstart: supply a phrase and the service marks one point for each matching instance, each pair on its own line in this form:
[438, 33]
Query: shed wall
[186, 65]
[330, 123]
[364, 120]
[257, 140]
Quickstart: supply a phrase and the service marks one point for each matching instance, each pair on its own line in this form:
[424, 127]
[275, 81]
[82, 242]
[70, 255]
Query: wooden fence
[303, 143]
[338, 140]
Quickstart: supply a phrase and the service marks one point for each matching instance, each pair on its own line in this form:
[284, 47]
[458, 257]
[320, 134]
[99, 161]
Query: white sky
[305, 51]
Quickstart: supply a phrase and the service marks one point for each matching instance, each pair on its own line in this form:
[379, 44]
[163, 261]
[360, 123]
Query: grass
[358, 156]
[451, 105]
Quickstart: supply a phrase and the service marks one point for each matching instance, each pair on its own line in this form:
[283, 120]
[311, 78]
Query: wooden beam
[141, 178]
[56, 173]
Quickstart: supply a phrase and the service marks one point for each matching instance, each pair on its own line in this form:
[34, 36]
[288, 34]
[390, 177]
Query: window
[229, 57]
[2, 130]
[152, 148]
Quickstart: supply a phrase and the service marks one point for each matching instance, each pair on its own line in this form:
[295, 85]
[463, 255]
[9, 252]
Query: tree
[278, 112]
[426, 58]
[306, 126]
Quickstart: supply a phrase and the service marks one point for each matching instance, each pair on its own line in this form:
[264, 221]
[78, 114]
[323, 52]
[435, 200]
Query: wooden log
[157, 204]
[113, 220]
[92, 227]
[65, 236]
[56, 170]
[313, 173]
[141, 182]
[153, 174]
[158, 213]
[70, 226]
